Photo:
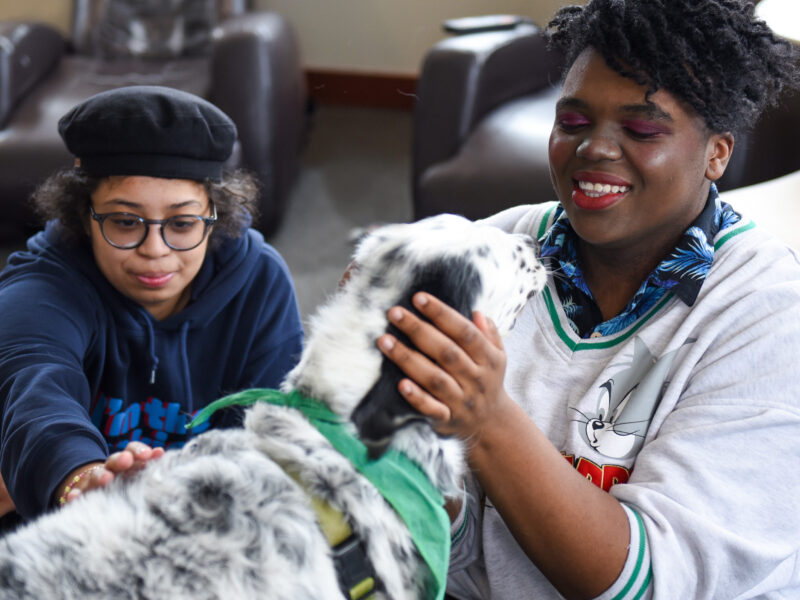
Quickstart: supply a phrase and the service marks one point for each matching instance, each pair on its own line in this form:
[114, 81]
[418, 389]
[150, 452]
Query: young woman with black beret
[146, 297]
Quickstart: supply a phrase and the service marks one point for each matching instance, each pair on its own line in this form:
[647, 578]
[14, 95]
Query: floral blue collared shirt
[682, 271]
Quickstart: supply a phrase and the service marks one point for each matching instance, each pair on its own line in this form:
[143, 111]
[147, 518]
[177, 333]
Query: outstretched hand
[94, 475]
[456, 376]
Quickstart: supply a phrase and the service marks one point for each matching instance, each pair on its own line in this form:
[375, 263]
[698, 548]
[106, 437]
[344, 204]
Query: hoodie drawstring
[153, 357]
[184, 334]
[186, 370]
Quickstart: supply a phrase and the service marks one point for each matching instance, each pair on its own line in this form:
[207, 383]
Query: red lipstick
[597, 191]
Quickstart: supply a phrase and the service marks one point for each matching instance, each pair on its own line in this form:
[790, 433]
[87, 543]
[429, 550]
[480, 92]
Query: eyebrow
[570, 102]
[649, 110]
[136, 205]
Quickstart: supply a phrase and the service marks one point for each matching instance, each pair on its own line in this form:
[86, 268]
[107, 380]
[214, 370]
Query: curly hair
[65, 197]
[712, 54]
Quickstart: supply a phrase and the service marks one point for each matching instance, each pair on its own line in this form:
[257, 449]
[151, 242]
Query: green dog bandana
[399, 480]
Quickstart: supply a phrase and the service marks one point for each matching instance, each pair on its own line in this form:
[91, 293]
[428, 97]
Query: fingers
[418, 367]
[450, 351]
[436, 388]
[488, 328]
[97, 476]
[424, 402]
[430, 340]
[468, 336]
[133, 458]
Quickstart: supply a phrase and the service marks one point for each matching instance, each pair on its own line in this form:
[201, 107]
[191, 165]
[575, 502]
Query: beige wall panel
[386, 36]
[381, 36]
[57, 13]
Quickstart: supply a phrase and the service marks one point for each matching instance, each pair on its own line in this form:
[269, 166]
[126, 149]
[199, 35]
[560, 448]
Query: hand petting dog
[99, 474]
[456, 377]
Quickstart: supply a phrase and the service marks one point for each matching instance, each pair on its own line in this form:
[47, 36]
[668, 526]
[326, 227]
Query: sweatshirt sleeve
[45, 429]
[717, 489]
[274, 330]
[466, 577]
[525, 218]
[636, 579]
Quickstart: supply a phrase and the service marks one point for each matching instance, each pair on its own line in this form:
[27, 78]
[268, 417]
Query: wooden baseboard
[373, 90]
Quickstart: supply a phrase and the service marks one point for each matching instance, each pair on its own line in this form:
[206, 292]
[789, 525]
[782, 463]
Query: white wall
[371, 36]
[386, 36]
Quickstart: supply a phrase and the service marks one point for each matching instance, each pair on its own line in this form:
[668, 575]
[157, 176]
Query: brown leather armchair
[247, 63]
[483, 114]
[484, 108]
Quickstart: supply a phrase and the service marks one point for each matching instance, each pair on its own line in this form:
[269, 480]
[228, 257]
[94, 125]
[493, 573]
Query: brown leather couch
[247, 63]
[482, 118]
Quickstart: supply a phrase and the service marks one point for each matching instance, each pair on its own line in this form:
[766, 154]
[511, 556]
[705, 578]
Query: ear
[720, 148]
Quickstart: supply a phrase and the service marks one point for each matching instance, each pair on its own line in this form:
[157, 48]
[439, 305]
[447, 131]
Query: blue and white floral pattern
[682, 272]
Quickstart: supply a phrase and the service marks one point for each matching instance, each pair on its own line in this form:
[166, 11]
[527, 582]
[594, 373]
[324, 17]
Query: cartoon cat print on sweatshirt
[625, 404]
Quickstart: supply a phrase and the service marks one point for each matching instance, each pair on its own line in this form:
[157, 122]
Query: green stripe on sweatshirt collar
[597, 343]
[401, 482]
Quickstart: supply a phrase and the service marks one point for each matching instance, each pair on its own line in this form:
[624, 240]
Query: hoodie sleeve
[271, 329]
[45, 429]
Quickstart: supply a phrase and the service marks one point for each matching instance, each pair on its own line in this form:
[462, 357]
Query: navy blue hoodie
[84, 370]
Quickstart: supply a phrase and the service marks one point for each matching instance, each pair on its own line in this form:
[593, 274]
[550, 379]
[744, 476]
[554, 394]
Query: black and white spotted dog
[221, 518]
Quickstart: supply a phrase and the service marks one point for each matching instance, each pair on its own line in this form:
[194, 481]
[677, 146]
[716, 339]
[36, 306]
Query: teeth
[602, 188]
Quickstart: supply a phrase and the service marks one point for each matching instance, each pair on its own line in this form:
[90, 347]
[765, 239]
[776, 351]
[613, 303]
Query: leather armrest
[28, 51]
[464, 77]
[257, 79]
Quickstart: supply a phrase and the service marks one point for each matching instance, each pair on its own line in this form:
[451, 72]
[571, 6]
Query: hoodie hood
[225, 271]
[98, 371]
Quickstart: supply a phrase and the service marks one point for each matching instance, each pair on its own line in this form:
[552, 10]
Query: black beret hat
[149, 130]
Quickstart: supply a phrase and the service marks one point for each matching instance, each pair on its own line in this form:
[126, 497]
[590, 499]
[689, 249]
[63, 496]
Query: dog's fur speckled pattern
[220, 518]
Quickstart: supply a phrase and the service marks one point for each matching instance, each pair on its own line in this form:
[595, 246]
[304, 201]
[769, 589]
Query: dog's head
[471, 267]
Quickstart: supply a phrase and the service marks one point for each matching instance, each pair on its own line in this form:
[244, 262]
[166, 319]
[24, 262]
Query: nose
[597, 146]
[153, 245]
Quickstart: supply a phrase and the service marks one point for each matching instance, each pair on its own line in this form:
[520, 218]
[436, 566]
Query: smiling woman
[646, 401]
[146, 265]
[610, 132]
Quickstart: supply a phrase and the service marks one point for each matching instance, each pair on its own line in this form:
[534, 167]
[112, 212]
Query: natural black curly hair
[65, 196]
[712, 54]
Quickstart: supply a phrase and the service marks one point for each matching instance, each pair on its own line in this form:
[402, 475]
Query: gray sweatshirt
[690, 417]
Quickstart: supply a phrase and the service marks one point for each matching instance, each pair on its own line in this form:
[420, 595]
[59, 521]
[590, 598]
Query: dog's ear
[455, 281]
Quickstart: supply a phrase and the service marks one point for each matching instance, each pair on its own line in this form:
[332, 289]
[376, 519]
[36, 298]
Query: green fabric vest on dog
[400, 481]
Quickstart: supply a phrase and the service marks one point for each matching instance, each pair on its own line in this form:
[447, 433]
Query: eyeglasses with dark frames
[127, 231]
